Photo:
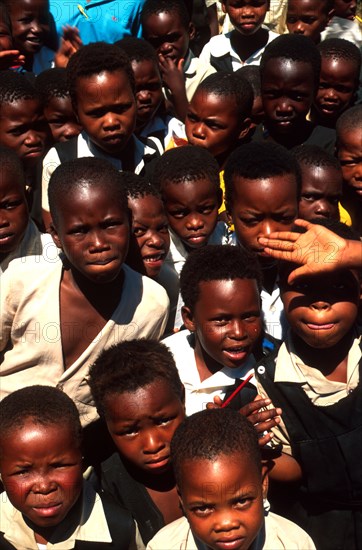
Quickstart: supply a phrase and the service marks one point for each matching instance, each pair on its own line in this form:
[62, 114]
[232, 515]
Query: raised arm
[317, 250]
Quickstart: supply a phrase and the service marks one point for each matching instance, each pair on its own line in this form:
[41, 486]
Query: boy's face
[223, 500]
[349, 152]
[41, 469]
[345, 8]
[192, 210]
[247, 16]
[148, 90]
[24, 129]
[106, 109]
[337, 86]
[263, 206]
[321, 192]
[61, 119]
[287, 89]
[307, 17]
[14, 214]
[226, 320]
[142, 424]
[30, 24]
[93, 232]
[150, 239]
[166, 33]
[6, 40]
[213, 122]
[322, 310]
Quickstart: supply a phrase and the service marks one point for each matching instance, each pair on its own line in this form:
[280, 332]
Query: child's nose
[111, 121]
[194, 222]
[321, 305]
[156, 240]
[36, 27]
[33, 138]
[237, 331]
[44, 485]
[70, 131]
[323, 208]
[227, 520]
[152, 443]
[299, 28]
[198, 130]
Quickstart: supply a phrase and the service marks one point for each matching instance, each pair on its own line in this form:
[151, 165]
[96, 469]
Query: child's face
[223, 500]
[307, 17]
[41, 469]
[345, 8]
[150, 235]
[349, 153]
[166, 33]
[148, 90]
[337, 86]
[247, 16]
[213, 122]
[30, 24]
[226, 320]
[6, 40]
[142, 424]
[93, 232]
[263, 206]
[23, 128]
[287, 89]
[61, 119]
[14, 214]
[322, 310]
[321, 192]
[192, 210]
[106, 109]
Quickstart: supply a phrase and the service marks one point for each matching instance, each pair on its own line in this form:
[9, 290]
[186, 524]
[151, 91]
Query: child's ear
[54, 234]
[264, 480]
[245, 128]
[192, 31]
[188, 318]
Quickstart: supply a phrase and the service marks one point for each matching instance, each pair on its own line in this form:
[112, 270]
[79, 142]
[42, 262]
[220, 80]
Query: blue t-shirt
[99, 20]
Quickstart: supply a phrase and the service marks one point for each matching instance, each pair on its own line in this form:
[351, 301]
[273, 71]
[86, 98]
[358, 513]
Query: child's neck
[269, 274]
[245, 46]
[206, 365]
[331, 362]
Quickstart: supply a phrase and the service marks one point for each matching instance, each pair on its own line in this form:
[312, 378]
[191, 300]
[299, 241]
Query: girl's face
[30, 24]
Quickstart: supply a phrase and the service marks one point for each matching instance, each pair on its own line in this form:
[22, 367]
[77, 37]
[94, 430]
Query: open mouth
[155, 258]
[237, 353]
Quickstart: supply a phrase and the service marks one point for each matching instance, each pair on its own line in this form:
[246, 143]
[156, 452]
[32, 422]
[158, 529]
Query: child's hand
[10, 58]
[216, 404]
[319, 249]
[172, 73]
[70, 43]
[263, 420]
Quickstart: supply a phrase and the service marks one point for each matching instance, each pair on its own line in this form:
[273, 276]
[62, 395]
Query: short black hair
[16, 87]
[9, 160]
[337, 227]
[216, 263]
[229, 85]
[52, 83]
[94, 59]
[350, 120]
[257, 160]
[138, 49]
[82, 173]
[131, 365]
[5, 16]
[137, 186]
[188, 163]
[45, 405]
[155, 7]
[293, 47]
[211, 433]
[251, 73]
[313, 155]
[339, 48]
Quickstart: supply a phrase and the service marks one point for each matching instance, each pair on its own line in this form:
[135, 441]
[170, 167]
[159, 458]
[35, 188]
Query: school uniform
[198, 393]
[322, 428]
[277, 533]
[195, 71]
[140, 157]
[220, 54]
[318, 135]
[33, 243]
[100, 524]
[30, 339]
[165, 129]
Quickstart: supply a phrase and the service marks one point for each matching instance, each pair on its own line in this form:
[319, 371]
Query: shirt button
[60, 386]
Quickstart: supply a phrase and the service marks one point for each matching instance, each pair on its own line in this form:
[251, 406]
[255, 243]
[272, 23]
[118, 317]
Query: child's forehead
[165, 16]
[31, 5]
[145, 204]
[199, 187]
[286, 67]
[209, 100]
[307, 5]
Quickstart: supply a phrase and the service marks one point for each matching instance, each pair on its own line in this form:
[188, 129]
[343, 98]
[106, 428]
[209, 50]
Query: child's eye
[250, 222]
[178, 214]
[191, 117]
[207, 209]
[202, 510]
[309, 197]
[138, 231]
[244, 502]
[164, 421]
[11, 205]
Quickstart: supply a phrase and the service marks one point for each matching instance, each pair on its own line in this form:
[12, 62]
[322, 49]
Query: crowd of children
[161, 181]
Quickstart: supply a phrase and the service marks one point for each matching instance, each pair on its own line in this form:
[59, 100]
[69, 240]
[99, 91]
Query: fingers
[254, 406]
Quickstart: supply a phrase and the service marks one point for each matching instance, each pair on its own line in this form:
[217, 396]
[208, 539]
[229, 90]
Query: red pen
[235, 392]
